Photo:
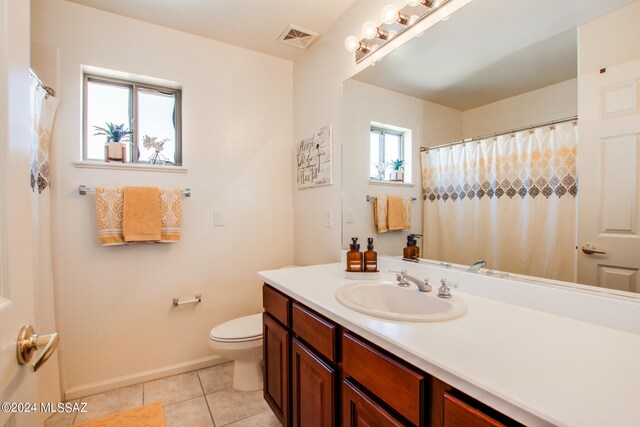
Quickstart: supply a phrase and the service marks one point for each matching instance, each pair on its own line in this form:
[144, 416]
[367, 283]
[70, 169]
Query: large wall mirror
[518, 123]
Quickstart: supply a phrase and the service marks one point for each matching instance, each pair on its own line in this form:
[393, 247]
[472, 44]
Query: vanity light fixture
[395, 21]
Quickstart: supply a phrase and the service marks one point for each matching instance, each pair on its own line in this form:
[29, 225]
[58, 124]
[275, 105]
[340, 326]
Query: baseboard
[141, 377]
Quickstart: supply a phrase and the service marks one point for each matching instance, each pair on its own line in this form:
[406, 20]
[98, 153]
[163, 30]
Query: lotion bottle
[354, 256]
[412, 251]
[370, 258]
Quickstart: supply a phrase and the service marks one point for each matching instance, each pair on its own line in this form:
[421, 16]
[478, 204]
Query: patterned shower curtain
[510, 200]
[43, 109]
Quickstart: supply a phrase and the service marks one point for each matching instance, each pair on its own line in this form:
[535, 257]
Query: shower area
[509, 198]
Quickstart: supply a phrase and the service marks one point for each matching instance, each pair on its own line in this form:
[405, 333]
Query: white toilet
[240, 340]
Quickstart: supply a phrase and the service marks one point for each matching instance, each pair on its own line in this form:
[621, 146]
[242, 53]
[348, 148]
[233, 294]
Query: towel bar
[83, 190]
[369, 198]
[177, 302]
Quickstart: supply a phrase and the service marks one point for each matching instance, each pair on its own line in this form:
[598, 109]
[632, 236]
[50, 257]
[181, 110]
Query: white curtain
[43, 110]
[510, 200]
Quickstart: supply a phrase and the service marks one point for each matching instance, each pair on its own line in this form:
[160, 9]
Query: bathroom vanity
[504, 362]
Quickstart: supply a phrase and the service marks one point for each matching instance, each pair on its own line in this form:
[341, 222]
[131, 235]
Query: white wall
[553, 102]
[317, 86]
[609, 40]
[114, 304]
[431, 124]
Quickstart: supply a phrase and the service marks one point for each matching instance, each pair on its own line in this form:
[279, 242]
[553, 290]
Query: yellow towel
[109, 202]
[380, 213]
[141, 214]
[151, 415]
[395, 213]
[171, 215]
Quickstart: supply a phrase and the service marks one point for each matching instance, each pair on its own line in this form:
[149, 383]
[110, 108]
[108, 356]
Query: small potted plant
[397, 170]
[117, 138]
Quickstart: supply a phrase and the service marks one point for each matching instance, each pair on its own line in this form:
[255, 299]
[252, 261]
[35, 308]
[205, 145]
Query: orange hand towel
[395, 213]
[141, 220]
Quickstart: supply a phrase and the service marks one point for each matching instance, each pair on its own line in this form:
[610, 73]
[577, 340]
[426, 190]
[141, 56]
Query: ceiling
[252, 24]
[490, 50]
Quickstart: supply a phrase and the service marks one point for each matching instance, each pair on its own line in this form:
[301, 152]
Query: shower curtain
[43, 110]
[510, 200]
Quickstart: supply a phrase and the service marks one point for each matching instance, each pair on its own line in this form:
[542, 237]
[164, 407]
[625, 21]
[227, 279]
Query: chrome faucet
[444, 291]
[403, 281]
[476, 266]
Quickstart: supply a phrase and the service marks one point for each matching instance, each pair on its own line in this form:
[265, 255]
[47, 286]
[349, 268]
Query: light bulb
[389, 14]
[369, 30]
[352, 43]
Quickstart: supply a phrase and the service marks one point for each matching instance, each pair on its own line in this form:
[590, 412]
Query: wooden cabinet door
[313, 383]
[276, 368]
[358, 410]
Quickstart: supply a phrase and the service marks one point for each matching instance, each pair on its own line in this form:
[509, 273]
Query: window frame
[382, 131]
[134, 87]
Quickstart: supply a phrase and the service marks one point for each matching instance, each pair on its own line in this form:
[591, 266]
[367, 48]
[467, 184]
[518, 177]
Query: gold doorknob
[29, 342]
[590, 250]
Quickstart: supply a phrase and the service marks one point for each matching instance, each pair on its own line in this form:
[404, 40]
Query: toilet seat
[242, 329]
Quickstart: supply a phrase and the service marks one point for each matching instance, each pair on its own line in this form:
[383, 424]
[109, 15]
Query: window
[151, 112]
[388, 145]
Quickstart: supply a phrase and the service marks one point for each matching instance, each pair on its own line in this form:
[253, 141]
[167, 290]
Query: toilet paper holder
[196, 300]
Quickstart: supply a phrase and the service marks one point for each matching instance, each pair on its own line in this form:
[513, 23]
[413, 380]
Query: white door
[17, 382]
[609, 180]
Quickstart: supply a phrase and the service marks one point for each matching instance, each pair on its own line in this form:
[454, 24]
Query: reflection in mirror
[502, 92]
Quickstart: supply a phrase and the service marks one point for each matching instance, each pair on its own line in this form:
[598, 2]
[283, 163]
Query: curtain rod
[493, 135]
[50, 92]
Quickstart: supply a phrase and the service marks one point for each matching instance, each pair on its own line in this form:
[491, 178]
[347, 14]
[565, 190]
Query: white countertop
[536, 367]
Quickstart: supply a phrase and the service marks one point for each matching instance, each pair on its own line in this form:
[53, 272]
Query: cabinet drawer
[359, 410]
[276, 304]
[457, 413]
[397, 385]
[315, 330]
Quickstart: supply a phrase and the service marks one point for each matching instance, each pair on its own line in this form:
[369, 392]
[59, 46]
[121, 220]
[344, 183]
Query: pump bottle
[370, 258]
[412, 251]
[354, 256]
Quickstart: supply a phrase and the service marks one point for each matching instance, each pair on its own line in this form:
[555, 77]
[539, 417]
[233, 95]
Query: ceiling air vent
[298, 37]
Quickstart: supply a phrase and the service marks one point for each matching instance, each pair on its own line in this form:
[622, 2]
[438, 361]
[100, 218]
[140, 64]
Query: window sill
[395, 184]
[88, 164]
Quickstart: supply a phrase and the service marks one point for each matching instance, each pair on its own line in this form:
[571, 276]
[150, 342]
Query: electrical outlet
[218, 218]
[328, 218]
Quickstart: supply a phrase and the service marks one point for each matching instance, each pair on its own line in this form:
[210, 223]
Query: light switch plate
[218, 218]
[328, 220]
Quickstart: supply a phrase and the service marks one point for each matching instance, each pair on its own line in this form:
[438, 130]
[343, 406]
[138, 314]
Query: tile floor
[201, 398]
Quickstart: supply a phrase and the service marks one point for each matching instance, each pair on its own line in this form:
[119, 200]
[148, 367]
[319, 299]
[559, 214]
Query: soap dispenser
[370, 258]
[354, 256]
[412, 251]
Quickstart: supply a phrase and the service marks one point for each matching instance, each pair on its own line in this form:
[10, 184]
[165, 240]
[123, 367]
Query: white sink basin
[389, 301]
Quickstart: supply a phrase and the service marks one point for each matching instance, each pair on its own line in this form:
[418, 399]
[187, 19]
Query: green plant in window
[114, 133]
[397, 164]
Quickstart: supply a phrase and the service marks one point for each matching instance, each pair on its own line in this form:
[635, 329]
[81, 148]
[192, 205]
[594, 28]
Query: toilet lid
[241, 329]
